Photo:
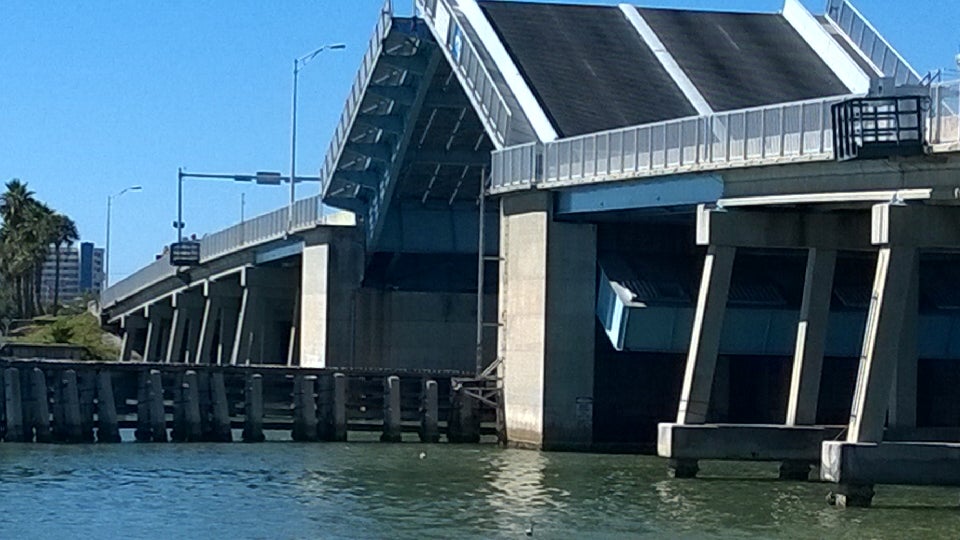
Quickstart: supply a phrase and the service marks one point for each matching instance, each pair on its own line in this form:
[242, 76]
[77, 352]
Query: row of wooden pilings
[81, 405]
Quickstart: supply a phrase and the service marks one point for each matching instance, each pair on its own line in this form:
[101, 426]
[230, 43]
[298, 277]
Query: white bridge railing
[943, 126]
[258, 230]
[352, 106]
[440, 16]
[797, 131]
[868, 40]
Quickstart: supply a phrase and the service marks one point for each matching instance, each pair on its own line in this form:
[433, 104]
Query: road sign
[185, 253]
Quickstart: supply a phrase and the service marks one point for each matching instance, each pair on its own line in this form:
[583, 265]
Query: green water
[373, 490]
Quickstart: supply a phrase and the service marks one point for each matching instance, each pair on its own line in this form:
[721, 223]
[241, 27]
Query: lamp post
[298, 64]
[106, 263]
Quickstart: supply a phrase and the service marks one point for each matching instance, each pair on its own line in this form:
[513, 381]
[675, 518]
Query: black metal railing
[879, 127]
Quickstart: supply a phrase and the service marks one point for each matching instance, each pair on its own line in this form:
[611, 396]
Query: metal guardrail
[360, 82]
[764, 135]
[439, 15]
[868, 40]
[944, 120]
[517, 166]
[258, 230]
[154, 272]
[736, 138]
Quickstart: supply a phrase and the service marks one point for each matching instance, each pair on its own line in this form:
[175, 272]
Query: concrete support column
[266, 293]
[158, 332]
[878, 361]
[248, 322]
[132, 325]
[811, 337]
[902, 412]
[705, 339]
[330, 279]
[229, 317]
[212, 307]
[184, 329]
[293, 343]
[546, 338]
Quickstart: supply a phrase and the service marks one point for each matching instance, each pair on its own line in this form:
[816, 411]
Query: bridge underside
[606, 299]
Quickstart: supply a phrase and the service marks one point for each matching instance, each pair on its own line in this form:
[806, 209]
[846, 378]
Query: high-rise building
[81, 271]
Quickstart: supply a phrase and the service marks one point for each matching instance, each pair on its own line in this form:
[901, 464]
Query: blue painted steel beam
[405, 95]
[684, 190]
[378, 151]
[277, 251]
[368, 178]
[416, 63]
[388, 122]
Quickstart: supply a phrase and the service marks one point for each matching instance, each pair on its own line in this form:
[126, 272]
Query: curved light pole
[298, 64]
[106, 263]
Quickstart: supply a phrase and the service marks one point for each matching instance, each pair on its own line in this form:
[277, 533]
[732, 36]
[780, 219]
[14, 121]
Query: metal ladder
[486, 385]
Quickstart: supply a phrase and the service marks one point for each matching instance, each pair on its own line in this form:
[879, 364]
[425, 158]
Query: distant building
[81, 271]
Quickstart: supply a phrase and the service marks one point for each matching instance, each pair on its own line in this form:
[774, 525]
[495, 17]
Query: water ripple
[372, 490]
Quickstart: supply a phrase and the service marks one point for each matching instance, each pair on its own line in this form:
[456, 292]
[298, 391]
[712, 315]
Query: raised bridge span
[626, 215]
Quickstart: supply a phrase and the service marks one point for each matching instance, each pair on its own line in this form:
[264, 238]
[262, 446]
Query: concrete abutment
[547, 304]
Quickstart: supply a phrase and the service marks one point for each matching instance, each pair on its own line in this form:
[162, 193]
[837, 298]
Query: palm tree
[29, 229]
[65, 234]
[14, 203]
[39, 232]
[17, 208]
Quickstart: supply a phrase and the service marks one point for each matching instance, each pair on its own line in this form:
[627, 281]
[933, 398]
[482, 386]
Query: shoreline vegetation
[30, 231]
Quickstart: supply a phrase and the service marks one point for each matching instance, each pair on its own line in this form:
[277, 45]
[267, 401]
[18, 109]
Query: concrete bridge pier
[185, 326]
[796, 443]
[547, 306]
[159, 316]
[266, 308]
[220, 311]
[333, 266]
[886, 390]
[134, 327]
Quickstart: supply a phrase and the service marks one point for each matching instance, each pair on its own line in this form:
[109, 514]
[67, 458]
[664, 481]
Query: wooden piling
[58, 427]
[14, 406]
[220, 430]
[325, 408]
[463, 424]
[339, 407]
[143, 430]
[179, 431]
[158, 421]
[253, 409]
[190, 401]
[429, 411]
[87, 386]
[108, 429]
[69, 425]
[3, 407]
[206, 406]
[304, 408]
[40, 418]
[392, 431]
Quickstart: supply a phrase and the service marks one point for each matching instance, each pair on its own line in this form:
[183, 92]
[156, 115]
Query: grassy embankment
[80, 329]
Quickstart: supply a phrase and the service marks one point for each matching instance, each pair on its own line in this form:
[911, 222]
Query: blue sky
[99, 95]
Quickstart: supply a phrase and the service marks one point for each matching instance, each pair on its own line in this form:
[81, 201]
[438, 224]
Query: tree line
[28, 231]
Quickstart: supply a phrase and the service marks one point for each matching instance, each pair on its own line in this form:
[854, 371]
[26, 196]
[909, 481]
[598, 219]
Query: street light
[106, 263]
[297, 66]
